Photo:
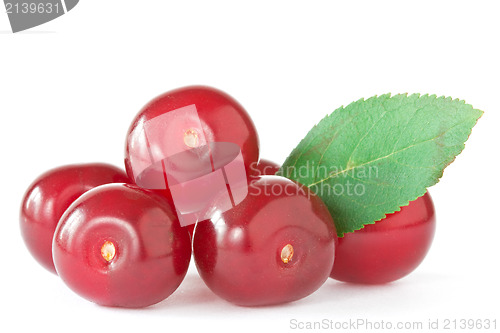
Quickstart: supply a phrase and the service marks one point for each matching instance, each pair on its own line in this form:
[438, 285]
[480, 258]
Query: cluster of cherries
[126, 238]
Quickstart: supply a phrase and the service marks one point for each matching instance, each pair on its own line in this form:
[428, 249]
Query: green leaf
[374, 156]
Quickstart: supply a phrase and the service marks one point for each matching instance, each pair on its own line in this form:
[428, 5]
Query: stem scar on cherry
[108, 250]
[191, 138]
[287, 253]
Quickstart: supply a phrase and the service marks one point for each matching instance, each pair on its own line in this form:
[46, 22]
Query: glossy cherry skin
[50, 195]
[389, 249]
[120, 245]
[221, 117]
[245, 255]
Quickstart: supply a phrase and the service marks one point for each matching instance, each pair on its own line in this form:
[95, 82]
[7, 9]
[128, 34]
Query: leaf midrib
[386, 156]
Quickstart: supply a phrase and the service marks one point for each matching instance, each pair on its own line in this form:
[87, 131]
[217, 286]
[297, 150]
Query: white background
[69, 88]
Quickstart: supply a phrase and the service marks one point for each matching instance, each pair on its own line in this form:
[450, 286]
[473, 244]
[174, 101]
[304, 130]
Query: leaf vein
[364, 136]
[389, 155]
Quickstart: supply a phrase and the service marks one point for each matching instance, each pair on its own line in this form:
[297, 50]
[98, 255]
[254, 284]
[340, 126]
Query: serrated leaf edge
[388, 95]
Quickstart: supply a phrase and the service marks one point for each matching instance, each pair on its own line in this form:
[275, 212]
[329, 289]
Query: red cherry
[389, 249]
[276, 246]
[120, 245]
[184, 120]
[50, 195]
